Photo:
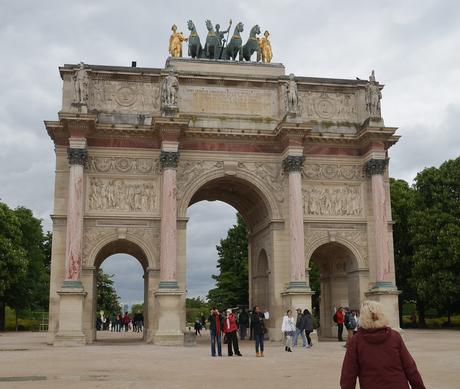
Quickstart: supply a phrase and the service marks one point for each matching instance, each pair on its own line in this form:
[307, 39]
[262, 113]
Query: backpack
[350, 322]
[335, 317]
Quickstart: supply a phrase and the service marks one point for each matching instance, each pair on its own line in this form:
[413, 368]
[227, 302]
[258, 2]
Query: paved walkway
[125, 362]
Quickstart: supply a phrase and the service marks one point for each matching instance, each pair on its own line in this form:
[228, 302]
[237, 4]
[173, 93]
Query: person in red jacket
[230, 330]
[340, 319]
[378, 356]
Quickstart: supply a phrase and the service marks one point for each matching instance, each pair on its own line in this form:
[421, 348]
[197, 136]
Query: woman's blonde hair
[372, 315]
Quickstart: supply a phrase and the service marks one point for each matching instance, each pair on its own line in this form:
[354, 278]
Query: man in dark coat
[215, 329]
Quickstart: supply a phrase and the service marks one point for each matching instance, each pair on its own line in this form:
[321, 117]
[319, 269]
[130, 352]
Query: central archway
[252, 202]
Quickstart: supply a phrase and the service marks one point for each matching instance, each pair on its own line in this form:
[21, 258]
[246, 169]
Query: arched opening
[259, 279]
[128, 264]
[339, 285]
[248, 200]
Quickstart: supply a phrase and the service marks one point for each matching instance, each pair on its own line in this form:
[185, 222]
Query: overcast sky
[412, 45]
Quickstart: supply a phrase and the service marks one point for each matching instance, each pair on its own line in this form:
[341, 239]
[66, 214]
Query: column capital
[169, 159]
[375, 166]
[293, 163]
[77, 156]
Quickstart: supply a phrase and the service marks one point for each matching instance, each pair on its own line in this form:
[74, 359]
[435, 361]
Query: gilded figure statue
[266, 48]
[175, 42]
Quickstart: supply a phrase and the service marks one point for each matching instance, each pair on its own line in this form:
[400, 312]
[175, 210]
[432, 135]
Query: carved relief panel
[118, 165]
[122, 195]
[333, 200]
[328, 106]
[332, 171]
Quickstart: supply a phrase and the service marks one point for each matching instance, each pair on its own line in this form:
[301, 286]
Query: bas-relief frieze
[331, 171]
[124, 96]
[357, 238]
[189, 171]
[269, 173]
[122, 195]
[127, 165]
[333, 200]
[328, 106]
[232, 101]
[93, 236]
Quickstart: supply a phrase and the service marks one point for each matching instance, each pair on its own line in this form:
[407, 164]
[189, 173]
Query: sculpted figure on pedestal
[175, 42]
[373, 97]
[80, 85]
[170, 90]
[266, 48]
[292, 95]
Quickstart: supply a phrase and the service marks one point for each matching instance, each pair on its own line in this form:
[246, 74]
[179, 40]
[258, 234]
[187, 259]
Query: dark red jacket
[381, 360]
[340, 317]
[230, 319]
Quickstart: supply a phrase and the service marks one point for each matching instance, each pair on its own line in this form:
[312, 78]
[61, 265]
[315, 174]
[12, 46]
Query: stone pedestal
[170, 329]
[70, 332]
[389, 299]
[297, 298]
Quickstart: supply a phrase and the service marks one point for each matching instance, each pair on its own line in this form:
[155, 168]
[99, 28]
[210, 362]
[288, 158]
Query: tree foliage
[426, 237]
[232, 281]
[107, 298]
[435, 225]
[24, 261]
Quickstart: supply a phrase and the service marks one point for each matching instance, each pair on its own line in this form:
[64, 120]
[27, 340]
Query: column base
[388, 297]
[170, 329]
[70, 332]
[297, 296]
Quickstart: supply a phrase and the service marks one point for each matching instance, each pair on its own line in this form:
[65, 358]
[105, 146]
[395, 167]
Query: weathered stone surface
[288, 152]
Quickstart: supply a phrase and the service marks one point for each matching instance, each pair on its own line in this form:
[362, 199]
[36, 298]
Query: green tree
[13, 259]
[107, 298]
[435, 226]
[402, 207]
[34, 293]
[137, 308]
[232, 281]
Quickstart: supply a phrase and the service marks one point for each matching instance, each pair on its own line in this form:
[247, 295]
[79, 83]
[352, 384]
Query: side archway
[342, 280]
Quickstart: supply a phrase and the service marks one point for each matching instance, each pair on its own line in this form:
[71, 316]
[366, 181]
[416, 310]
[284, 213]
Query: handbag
[226, 339]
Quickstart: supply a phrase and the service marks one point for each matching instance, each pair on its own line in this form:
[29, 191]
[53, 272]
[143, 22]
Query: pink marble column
[168, 245]
[77, 160]
[293, 165]
[384, 268]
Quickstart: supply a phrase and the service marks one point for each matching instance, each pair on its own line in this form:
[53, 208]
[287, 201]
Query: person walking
[350, 324]
[378, 356]
[308, 326]
[215, 329]
[230, 330]
[126, 321]
[288, 328]
[300, 328]
[339, 319]
[119, 320]
[203, 321]
[259, 330]
[243, 322]
[197, 327]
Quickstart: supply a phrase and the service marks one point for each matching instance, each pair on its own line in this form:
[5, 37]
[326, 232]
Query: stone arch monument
[303, 159]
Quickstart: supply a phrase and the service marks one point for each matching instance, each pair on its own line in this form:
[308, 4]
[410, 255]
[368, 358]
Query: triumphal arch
[304, 160]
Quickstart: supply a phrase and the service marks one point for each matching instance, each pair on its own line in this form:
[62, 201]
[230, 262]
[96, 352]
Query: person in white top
[288, 329]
